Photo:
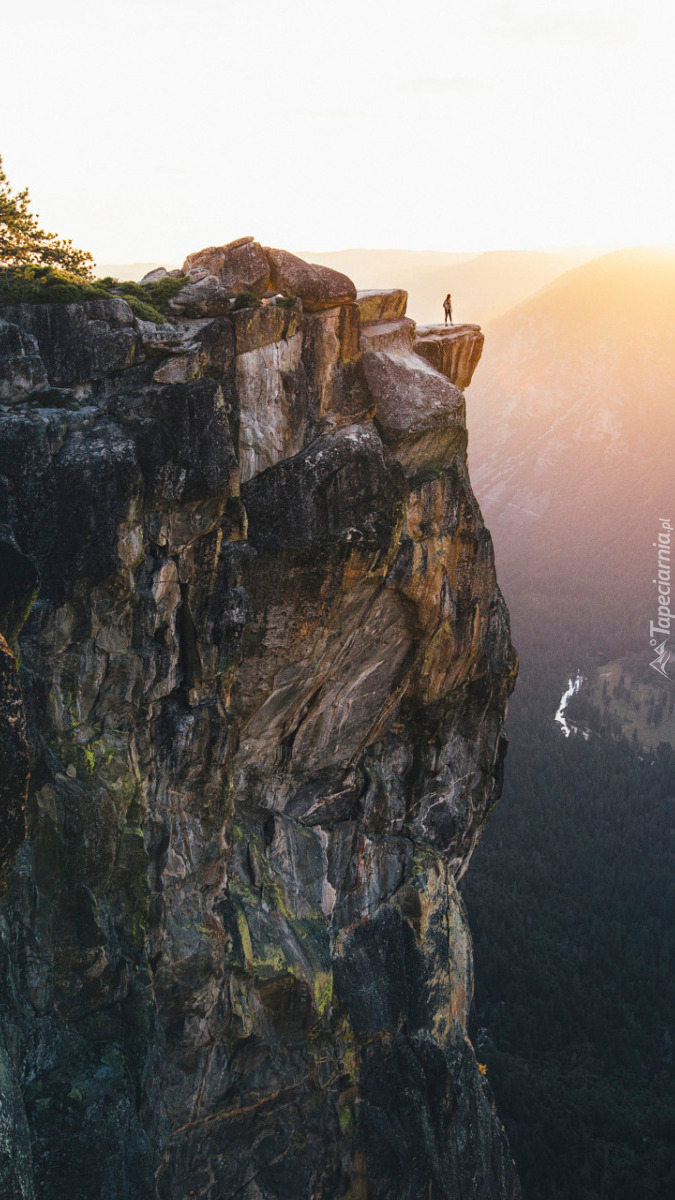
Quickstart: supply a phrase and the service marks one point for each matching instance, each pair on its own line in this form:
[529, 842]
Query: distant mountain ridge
[127, 271]
[571, 434]
[482, 285]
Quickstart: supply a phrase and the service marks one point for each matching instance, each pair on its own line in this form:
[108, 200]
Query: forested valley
[571, 896]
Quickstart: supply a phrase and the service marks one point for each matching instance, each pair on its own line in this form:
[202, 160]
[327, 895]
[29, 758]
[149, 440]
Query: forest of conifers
[571, 898]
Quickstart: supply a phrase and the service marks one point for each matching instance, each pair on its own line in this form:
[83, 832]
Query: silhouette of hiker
[447, 308]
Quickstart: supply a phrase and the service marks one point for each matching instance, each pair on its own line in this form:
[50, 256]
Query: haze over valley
[570, 895]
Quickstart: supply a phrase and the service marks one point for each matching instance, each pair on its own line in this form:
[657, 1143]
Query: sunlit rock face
[454, 350]
[239, 266]
[264, 681]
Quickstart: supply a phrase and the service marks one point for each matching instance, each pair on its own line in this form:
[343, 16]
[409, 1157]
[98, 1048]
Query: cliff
[264, 663]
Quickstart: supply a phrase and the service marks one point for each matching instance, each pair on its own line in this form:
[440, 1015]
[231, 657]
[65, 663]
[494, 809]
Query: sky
[146, 129]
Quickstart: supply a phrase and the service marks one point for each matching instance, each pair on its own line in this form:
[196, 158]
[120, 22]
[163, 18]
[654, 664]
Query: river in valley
[566, 728]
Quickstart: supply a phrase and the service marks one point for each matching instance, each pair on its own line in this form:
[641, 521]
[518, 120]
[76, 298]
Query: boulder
[208, 261]
[396, 337]
[205, 298]
[240, 266]
[454, 350]
[381, 305]
[419, 414]
[155, 276]
[317, 287]
[213, 256]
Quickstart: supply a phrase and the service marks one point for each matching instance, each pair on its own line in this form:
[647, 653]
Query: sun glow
[146, 132]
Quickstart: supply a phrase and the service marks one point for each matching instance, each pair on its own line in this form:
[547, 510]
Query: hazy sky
[150, 128]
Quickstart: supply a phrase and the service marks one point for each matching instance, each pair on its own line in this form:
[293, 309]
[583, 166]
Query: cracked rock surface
[260, 663]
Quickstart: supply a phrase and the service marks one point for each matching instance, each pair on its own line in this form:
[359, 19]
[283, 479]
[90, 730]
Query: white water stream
[573, 686]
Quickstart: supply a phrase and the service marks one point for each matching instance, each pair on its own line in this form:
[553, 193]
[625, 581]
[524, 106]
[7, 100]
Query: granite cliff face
[264, 664]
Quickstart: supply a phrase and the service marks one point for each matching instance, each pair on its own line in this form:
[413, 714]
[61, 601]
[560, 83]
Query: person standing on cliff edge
[447, 308]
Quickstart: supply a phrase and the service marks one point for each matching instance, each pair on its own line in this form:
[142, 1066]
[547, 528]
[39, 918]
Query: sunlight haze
[147, 131]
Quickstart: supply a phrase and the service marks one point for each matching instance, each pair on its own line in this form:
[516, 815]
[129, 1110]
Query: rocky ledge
[454, 350]
[265, 664]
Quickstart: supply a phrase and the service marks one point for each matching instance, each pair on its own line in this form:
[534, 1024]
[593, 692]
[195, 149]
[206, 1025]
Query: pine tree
[24, 244]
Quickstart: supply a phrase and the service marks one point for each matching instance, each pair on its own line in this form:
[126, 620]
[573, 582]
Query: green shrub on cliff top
[150, 301]
[246, 300]
[157, 294]
[46, 285]
[144, 312]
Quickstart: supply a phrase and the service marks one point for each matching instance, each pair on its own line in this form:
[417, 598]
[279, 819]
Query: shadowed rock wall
[264, 682]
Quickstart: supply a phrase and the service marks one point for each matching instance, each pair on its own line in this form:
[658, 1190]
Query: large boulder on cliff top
[317, 287]
[241, 266]
[155, 276]
[381, 304]
[419, 414]
[206, 297]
